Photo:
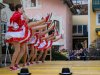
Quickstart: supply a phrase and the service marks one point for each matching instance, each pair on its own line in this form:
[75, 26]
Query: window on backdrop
[14, 2]
[77, 29]
[98, 18]
[74, 29]
[33, 3]
[80, 30]
[56, 22]
[57, 25]
[29, 3]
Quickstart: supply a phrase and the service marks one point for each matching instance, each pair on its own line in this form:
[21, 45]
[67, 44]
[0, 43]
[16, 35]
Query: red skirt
[18, 36]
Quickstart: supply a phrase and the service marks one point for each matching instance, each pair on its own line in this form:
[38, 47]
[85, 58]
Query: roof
[71, 6]
[79, 7]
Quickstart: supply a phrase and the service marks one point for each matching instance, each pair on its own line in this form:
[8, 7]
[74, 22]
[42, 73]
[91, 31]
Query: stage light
[65, 71]
[24, 71]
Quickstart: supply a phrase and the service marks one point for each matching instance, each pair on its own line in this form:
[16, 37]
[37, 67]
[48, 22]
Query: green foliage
[58, 56]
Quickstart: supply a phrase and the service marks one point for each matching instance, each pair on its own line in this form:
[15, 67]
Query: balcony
[95, 5]
[97, 30]
[71, 6]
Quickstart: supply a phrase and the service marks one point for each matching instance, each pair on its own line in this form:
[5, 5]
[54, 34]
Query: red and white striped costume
[49, 45]
[18, 30]
[42, 45]
[33, 39]
[37, 42]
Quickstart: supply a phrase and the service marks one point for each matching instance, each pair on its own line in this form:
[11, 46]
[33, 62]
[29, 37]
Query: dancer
[31, 42]
[35, 43]
[18, 32]
[24, 47]
[44, 48]
[48, 47]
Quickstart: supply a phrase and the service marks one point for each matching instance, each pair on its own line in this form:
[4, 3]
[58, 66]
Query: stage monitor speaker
[65, 71]
[24, 71]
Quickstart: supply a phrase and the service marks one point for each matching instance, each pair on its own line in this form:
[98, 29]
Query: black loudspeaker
[24, 71]
[65, 71]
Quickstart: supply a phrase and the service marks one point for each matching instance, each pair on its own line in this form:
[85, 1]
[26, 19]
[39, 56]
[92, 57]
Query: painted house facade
[60, 12]
[80, 24]
[37, 9]
[94, 22]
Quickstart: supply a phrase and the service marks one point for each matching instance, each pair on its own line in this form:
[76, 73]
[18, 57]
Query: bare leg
[32, 53]
[39, 27]
[51, 37]
[35, 55]
[32, 24]
[15, 55]
[25, 58]
[47, 37]
[22, 52]
[57, 39]
[45, 54]
[50, 28]
[40, 55]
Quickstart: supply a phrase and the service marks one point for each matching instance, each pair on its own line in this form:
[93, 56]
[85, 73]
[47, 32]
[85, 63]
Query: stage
[55, 67]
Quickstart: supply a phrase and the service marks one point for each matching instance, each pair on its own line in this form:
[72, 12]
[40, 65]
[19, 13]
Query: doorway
[79, 42]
